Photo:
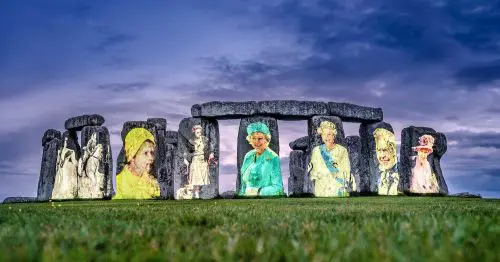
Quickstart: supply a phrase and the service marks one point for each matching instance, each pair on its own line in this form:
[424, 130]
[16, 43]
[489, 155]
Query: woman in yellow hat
[135, 180]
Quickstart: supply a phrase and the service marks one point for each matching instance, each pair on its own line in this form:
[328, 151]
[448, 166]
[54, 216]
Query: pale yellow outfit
[385, 187]
[198, 169]
[129, 186]
[328, 184]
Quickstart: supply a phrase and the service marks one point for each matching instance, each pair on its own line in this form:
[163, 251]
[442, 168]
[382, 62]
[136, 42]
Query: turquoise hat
[258, 127]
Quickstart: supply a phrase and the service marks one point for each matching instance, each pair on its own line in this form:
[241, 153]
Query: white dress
[423, 180]
[198, 169]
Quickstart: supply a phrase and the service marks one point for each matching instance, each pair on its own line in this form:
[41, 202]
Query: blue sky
[426, 63]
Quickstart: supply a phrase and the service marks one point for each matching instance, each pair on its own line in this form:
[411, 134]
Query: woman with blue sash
[329, 168]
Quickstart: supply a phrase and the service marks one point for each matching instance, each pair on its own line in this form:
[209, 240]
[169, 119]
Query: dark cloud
[125, 87]
[111, 40]
[482, 73]
[467, 139]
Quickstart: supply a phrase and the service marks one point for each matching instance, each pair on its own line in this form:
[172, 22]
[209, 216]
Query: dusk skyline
[425, 63]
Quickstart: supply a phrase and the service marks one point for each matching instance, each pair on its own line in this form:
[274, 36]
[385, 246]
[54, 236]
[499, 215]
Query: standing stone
[372, 168]
[324, 188]
[151, 127]
[127, 127]
[49, 135]
[167, 172]
[66, 180]
[417, 139]
[48, 168]
[354, 148]
[161, 157]
[314, 122]
[297, 167]
[300, 143]
[244, 146]
[192, 159]
[79, 122]
[171, 137]
[95, 168]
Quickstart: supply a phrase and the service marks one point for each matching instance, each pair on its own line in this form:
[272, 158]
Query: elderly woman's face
[328, 136]
[259, 142]
[145, 157]
[385, 155]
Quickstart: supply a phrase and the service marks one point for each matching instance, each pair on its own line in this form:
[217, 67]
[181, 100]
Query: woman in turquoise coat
[261, 170]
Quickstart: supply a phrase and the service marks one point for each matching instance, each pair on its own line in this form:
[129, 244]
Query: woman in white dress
[199, 174]
[423, 180]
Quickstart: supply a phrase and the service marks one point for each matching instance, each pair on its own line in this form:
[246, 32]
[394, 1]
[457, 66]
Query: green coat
[261, 175]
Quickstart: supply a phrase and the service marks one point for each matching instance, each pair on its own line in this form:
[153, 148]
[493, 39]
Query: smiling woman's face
[259, 142]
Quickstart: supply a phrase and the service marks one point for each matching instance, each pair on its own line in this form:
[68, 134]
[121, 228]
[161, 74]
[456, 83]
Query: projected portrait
[385, 146]
[66, 181]
[91, 178]
[423, 179]
[136, 180]
[198, 161]
[261, 170]
[329, 168]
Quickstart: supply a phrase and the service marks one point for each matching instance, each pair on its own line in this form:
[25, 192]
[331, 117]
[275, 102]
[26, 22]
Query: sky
[426, 63]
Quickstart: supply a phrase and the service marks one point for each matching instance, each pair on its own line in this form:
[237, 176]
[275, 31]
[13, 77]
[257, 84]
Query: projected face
[144, 159]
[328, 136]
[259, 142]
[385, 143]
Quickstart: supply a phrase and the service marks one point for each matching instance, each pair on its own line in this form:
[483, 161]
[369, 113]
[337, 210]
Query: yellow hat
[134, 139]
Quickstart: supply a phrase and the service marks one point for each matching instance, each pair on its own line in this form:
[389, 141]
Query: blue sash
[328, 159]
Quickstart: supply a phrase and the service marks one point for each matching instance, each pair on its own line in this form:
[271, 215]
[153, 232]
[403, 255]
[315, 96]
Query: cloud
[481, 73]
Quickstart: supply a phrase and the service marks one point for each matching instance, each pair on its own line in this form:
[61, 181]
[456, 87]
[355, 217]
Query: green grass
[290, 229]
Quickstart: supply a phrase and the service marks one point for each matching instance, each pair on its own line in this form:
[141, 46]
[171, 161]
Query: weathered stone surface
[466, 195]
[66, 180]
[369, 162]
[79, 122]
[159, 123]
[167, 173]
[300, 143]
[228, 194]
[129, 125]
[286, 110]
[120, 161]
[313, 124]
[291, 109]
[95, 174]
[48, 169]
[224, 110]
[20, 200]
[243, 145]
[354, 148]
[160, 160]
[49, 135]
[171, 137]
[297, 167]
[354, 113]
[186, 152]
[410, 138]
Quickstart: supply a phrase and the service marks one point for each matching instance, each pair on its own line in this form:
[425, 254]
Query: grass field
[291, 229]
